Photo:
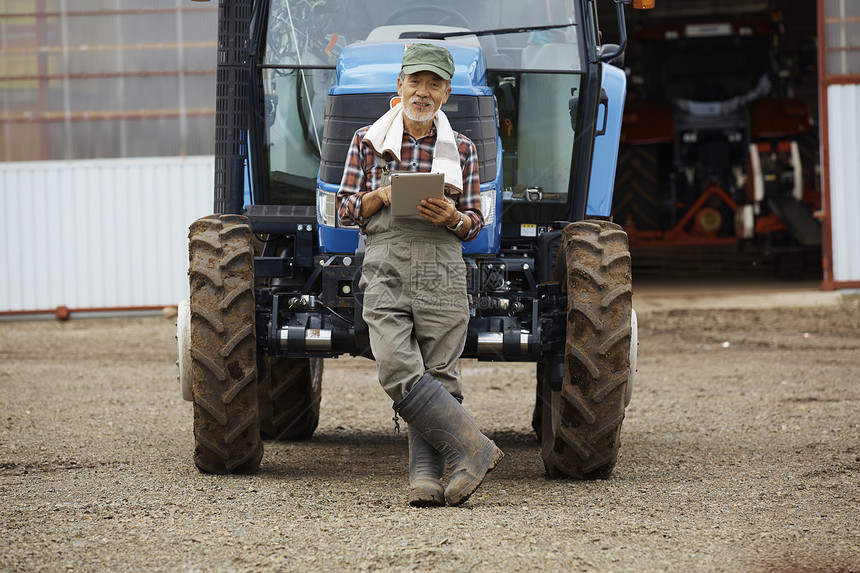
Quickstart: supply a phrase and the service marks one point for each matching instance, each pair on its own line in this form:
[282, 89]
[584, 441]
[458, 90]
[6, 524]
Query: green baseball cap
[428, 57]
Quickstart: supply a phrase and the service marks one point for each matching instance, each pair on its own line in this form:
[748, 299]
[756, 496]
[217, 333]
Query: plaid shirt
[362, 174]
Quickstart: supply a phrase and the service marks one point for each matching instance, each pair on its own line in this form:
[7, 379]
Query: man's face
[422, 94]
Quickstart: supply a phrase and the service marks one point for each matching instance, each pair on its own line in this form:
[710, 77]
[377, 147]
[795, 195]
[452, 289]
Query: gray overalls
[415, 304]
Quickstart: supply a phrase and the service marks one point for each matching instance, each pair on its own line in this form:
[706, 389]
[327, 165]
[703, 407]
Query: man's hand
[373, 201]
[384, 195]
[441, 212]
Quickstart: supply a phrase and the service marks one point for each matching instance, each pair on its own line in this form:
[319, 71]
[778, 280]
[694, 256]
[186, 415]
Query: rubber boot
[426, 467]
[442, 421]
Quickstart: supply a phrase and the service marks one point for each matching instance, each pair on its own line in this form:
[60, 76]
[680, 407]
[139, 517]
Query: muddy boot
[426, 467]
[442, 421]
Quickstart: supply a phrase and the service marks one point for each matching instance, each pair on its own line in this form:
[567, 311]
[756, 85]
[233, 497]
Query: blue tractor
[274, 273]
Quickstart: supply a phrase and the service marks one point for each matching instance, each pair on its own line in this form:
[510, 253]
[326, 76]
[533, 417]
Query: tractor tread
[581, 425]
[223, 345]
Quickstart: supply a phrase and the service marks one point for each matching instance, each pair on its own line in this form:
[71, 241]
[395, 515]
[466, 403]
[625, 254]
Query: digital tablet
[409, 188]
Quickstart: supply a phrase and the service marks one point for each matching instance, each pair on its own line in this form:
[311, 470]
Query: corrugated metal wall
[99, 234]
[844, 148]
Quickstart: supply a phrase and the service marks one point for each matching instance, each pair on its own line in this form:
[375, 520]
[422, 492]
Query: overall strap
[383, 164]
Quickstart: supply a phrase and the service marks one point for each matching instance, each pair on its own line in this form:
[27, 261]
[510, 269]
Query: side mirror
[618, 60]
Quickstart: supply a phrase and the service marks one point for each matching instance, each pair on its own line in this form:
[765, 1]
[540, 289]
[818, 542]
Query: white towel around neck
[386, 135]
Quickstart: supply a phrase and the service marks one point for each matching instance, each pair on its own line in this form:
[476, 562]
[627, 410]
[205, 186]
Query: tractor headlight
[326, 208]
[488, 206]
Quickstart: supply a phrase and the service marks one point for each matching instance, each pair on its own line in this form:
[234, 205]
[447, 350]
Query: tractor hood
[372, 67]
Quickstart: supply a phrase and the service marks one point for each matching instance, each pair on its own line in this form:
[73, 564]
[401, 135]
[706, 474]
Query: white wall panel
[101, 234]
[844, 144]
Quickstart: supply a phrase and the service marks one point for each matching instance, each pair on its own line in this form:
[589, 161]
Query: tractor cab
[329, 68]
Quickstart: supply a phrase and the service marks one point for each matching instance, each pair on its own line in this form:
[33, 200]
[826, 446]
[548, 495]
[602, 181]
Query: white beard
[419, 117]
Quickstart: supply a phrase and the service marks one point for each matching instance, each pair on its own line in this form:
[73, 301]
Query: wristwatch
[458, 226]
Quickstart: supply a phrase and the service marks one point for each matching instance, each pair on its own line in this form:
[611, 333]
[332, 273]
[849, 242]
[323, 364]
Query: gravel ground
[740, 452]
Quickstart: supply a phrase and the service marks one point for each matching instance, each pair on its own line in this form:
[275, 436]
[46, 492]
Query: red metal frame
[685, 231]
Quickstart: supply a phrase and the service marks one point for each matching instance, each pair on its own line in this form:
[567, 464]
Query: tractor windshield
[533, 68]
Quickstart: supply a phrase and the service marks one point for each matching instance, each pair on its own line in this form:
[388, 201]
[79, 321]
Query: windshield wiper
[492, 32]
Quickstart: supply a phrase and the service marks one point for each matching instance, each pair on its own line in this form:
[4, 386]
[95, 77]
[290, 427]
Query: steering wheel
[412, 15]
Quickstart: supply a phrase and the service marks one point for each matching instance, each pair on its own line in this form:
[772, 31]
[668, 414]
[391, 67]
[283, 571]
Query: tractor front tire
[223, 346]
[289, 398]
[581, 424]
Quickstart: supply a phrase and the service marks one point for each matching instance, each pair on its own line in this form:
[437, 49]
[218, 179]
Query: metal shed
[96, 235]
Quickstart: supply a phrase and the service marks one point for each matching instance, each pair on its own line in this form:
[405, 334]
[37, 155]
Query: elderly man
[414, 277]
